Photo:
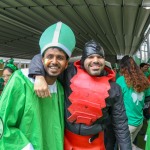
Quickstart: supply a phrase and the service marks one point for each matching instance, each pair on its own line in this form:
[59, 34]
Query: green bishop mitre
[58, 35]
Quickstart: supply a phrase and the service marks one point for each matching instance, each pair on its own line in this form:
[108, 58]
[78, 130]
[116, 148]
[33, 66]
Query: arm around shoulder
[36, 66]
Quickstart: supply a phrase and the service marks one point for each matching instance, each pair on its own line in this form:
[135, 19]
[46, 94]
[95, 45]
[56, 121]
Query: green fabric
[147, 74]
[30, 119]
[134, 102]
[147, 147]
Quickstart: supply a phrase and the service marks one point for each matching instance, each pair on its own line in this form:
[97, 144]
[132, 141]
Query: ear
[67, 64]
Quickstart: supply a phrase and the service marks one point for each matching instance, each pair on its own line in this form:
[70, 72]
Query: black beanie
[91, 47]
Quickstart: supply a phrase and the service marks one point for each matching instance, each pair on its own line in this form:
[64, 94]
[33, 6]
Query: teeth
[95, 65]
[54, 67]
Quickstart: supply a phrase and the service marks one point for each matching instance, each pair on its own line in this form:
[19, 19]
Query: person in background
[146, 110]
[9, 69]
[28, 122]
[135, 89]
[116, 70]
[144, 67]
[147, 137]
[91, 96]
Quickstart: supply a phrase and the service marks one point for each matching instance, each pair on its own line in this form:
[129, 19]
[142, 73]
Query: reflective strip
[57, 32]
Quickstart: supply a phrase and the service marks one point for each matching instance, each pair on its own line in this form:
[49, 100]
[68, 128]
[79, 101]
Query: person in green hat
[1, 79]
[9, 69]
[28, 122]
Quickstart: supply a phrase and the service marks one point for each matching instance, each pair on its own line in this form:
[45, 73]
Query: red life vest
[88, 95]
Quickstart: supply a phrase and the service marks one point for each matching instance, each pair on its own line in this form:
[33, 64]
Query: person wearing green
[9, 69]
[1, 79]
[147, 137]
[116, 70]
[28, 122]
[136, 91]
[145, 68]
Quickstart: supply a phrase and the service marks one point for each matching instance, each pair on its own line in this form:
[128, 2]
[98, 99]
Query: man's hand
[41, 87]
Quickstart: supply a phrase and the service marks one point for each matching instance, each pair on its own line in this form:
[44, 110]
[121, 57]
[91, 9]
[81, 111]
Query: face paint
[54, 62]
[46, 61]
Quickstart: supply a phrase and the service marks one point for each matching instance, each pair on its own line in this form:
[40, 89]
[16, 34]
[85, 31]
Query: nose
[5, 80]
[54, 60]
[95, 59]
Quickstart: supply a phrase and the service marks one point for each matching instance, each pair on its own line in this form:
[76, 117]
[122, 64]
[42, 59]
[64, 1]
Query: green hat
[10, 64]
[58, 35]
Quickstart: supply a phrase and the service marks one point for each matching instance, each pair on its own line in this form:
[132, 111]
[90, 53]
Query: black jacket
[114, 107]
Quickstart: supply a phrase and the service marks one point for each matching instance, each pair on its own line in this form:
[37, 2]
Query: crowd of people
[84, 105]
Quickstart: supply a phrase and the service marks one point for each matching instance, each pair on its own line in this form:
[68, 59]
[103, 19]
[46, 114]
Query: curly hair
[134, 77]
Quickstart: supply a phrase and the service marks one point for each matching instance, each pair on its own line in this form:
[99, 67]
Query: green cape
[27, 119]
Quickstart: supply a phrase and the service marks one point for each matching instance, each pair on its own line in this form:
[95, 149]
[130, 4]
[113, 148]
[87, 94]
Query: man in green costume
[26, 121]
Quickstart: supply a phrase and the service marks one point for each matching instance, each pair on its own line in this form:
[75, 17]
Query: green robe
[27, 120]
[148, 137]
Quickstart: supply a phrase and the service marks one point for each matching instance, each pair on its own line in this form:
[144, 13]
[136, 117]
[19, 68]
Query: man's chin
[53, 74]
[93, 73]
